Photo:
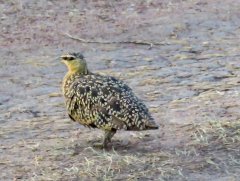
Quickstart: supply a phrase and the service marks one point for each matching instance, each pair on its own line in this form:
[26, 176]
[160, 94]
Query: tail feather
[151, 125]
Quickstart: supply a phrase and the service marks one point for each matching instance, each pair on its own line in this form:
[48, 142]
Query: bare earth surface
[189, 79]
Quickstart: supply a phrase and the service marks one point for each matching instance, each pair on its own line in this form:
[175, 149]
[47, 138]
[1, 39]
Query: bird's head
[75, 62]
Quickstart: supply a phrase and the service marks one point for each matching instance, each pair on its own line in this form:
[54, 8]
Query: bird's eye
[65, 58]
[68, 58]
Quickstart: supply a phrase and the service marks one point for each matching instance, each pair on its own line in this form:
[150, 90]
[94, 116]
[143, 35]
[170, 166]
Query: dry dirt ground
[189, 79]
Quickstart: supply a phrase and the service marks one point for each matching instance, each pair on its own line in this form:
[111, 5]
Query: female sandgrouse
[100, 101]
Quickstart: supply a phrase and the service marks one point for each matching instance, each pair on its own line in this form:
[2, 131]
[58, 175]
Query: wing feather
[107, 103]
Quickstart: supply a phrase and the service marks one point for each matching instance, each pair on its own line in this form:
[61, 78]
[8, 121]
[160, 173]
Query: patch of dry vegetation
[113, 165]
[210, 148]
[218, 143]
[213, 148]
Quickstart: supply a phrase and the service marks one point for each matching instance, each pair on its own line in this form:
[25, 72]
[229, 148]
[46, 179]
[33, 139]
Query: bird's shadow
[146, 145]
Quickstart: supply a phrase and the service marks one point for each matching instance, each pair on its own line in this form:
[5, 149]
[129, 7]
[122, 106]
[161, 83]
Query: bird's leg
[108, 134]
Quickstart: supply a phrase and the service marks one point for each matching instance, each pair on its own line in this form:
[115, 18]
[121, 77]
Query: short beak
[62, 60]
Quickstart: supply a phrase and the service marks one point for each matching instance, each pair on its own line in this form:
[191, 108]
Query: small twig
[138, 42]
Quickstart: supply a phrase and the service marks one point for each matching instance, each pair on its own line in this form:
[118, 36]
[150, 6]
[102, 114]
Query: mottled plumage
[102, 102]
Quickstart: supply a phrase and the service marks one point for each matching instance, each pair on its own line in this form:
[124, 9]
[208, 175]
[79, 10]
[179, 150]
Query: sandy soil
[189, 79]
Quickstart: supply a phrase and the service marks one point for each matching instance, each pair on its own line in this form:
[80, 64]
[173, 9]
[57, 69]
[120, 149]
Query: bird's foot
[106, 139]
[99, 145]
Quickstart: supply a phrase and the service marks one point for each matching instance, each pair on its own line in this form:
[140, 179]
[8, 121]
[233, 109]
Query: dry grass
[112, 165]
[214, 146]
[59, 154]
[210, 148]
